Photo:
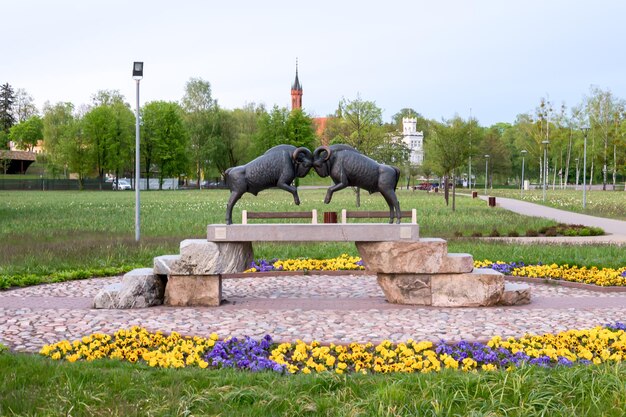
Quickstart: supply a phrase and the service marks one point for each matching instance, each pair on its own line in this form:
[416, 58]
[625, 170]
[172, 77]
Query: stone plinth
[480, 288]
[424, 256]
[199, 257]
[193, 290]
[352, 232]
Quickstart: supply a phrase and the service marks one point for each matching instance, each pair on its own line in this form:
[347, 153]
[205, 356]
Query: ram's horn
[319, 150]
[297, 152]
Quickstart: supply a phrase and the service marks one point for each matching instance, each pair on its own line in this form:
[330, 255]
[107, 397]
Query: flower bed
[596, 276]
[592, 346]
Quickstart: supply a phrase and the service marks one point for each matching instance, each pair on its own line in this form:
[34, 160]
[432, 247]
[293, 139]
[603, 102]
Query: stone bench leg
[193, 290]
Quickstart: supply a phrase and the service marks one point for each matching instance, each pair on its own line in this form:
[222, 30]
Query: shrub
[458, 233]
[513, 233]
[494, 233]
[531, 233]
[477, 234]
[584, 232]
[551, 231]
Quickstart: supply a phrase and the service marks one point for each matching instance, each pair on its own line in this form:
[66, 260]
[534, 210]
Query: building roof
[18, 155]
[296, 84]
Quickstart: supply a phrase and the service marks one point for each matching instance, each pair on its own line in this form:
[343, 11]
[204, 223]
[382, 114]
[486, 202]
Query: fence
[66, 184]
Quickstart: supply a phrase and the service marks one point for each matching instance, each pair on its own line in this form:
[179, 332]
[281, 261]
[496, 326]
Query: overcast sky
[441, 58]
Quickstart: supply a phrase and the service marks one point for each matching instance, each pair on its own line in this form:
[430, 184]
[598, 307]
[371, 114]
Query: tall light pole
[585, 129]
[524, 151]
[469, 175]
[545, 169]
[576, 174]
[137, 76]
[486, 172]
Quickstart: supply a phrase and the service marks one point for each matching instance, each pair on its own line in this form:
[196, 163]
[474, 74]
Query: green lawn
[37, 386]
[611, 204]
[56, 235]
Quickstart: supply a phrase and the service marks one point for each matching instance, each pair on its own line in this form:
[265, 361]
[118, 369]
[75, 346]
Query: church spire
[296, 92]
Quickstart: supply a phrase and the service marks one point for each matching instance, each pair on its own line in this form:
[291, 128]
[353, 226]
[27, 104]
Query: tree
[99, 131]
[272, 130]
[448, 148]
[362, 125]
[27, 133]
[164, 140]
[198, 105]
[66, 147]
[7, 100]
[24, 105]
[604, 111]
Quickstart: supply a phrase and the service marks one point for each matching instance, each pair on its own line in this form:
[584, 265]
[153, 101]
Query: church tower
[296, 92]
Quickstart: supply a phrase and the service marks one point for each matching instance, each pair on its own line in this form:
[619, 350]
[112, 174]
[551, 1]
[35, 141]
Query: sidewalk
[615, 229]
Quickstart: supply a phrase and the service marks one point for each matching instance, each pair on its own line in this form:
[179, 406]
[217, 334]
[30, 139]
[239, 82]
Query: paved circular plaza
[339, 309]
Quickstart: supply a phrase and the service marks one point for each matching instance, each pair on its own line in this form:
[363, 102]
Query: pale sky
[441, 58]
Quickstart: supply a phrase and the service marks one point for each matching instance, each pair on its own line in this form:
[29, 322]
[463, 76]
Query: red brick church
[319, 123]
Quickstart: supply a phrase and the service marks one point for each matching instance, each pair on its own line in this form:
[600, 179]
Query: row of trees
[196, 138]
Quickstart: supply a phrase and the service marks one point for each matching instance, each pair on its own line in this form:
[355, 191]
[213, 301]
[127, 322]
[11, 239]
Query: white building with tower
[413, 139]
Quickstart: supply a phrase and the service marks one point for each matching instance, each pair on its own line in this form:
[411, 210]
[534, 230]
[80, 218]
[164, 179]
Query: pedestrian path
[338, 309]
[615, 229]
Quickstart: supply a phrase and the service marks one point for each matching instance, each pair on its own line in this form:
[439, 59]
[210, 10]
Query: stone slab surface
[406, 288]
[194, 290]
[353, 232]
[199, 257]
[424, 256]
[481, 288]
[515, 294]
[139, 288]
[163, 264]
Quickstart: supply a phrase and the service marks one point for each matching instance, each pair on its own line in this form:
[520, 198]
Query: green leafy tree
[7, 100]
[27, 133]
[198, 106]
[68, 150]
[604, 111]
[272, 130]
[448, 149]
[300, 131]
[164, 140]
[99, 132]
[362, 125]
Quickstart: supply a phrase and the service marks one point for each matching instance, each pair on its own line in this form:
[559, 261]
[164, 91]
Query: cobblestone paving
[338, 309]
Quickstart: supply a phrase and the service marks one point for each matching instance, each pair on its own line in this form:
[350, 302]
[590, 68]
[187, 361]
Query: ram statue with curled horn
[277, 167]
[349, 168]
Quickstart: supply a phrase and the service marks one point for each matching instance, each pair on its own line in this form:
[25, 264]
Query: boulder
[424, 256]
[200, 257]
[107, 297]
[480, 288]
[139, 288]
[406, 288]
[515, 294]
[163, 264]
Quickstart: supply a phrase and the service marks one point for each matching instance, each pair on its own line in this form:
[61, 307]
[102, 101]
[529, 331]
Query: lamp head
[137, 70]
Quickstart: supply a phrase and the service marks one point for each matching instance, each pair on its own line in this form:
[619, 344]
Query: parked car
[121, 185]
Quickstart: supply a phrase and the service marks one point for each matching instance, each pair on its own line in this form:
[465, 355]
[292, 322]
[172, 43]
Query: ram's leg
[292, 190]
[332, 189]
[234, 197]
[394, 205]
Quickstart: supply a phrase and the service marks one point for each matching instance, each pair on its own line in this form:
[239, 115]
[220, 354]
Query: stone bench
[409, 269]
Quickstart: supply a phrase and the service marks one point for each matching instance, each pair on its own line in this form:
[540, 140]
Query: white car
[121, 185]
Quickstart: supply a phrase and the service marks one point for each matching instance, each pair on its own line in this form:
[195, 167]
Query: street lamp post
[137, 76]
[576, 173]
[486, 172]
[524, 151]
[545, 170]
[585, 129]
